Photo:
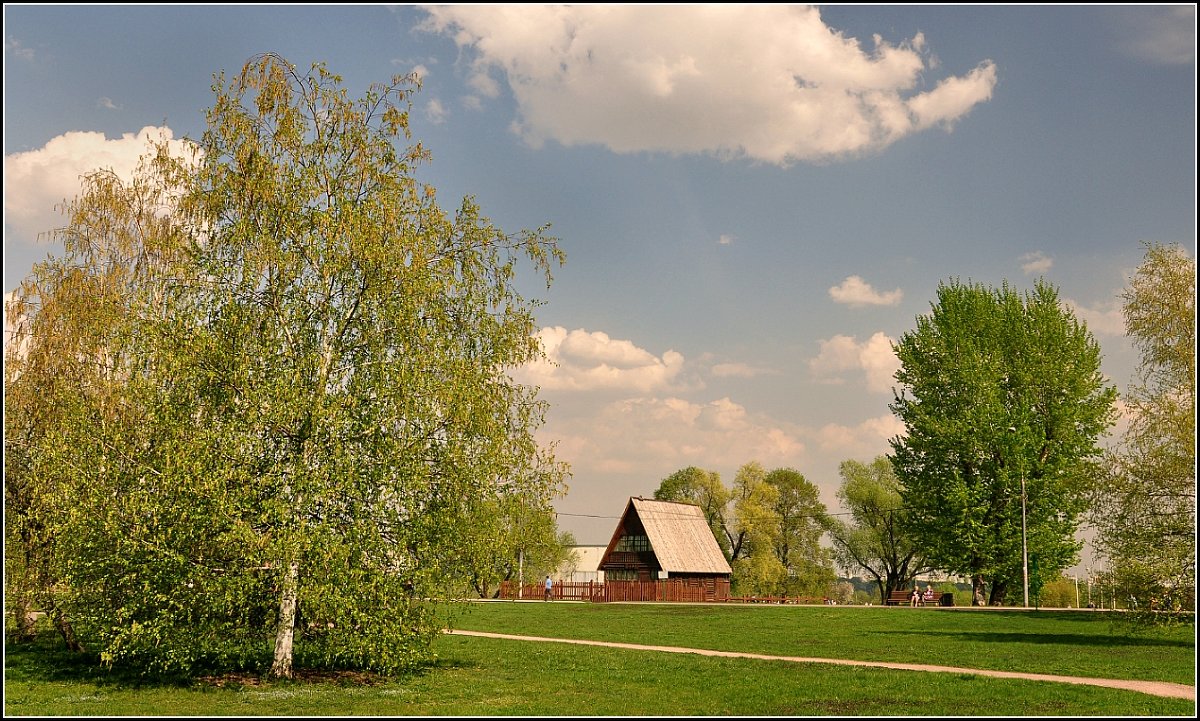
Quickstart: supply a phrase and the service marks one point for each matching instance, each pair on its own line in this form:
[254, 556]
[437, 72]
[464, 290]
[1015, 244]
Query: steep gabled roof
[681, 538]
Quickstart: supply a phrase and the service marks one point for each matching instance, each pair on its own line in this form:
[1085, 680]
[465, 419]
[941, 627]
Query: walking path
[1156, 688]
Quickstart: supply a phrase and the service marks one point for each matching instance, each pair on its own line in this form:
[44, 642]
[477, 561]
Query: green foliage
[1145, 506]
[521, 539]
[770, 535]
[802, 521]
[267, 396]
[1059, 593]
[878, 540]
[1003, 403]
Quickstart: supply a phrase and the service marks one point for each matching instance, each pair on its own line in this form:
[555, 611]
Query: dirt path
[1156, 688]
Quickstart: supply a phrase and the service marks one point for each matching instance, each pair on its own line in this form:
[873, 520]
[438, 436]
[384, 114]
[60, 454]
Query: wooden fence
[669, 589]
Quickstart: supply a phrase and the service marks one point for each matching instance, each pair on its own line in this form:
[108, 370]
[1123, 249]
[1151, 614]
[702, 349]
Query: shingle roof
[681, 537]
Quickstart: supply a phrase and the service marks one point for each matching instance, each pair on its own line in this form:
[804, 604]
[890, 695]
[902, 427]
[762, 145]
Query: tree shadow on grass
[46, 660]
[1053, 639]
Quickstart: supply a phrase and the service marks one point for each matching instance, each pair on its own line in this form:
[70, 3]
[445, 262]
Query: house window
[636, 544]
[622, 574]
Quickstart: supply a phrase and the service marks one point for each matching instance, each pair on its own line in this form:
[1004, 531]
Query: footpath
[1155, 688]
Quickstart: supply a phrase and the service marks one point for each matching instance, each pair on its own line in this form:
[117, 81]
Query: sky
[755, 201]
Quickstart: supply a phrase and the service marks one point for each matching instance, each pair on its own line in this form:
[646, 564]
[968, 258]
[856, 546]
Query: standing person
[549, 586]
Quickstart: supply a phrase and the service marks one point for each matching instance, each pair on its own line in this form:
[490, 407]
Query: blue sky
[754, 200]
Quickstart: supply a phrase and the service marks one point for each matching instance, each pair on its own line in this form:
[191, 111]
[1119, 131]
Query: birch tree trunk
[282, 666]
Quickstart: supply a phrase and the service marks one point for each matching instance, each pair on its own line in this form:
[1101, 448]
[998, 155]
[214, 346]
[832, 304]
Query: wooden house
[657, 540]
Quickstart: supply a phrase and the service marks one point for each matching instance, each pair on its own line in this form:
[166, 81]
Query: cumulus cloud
[856, 292]
[668, 433]
[37, 181]
[1036, 263]
[843, 355]
[866, 440]
[638, 78]
[580, 360]
[1103, 318]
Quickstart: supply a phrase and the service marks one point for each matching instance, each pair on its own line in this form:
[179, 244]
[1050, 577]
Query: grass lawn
[494, 677]
[1068, 643]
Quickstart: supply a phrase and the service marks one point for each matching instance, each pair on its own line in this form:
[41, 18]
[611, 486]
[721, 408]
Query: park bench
[901, 598]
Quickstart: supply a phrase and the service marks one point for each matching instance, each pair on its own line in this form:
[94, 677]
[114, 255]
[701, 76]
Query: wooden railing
[669, 589]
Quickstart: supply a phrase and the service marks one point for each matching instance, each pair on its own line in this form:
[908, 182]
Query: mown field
[495, 677]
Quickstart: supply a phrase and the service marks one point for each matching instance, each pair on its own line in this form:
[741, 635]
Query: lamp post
[1024, 544]
[1024, 541]
[1076, 578]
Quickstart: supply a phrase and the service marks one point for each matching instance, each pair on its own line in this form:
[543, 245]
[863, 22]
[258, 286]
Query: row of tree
[1000, 463]
[769, 526]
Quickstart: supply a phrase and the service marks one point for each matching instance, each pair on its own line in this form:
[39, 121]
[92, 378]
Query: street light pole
[1024, 544]
[1024, 539]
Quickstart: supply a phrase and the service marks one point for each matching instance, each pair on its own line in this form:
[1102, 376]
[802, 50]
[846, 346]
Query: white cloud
[725, 239]
[1103, 318]
[841, 355]
[579, 360]
[1036, 263]
[640, 78]
[740, 370]
[1159, 35]
[953, 98]
[38, 180]
[107, 104]
[855, 292]
[14, 46]
[435, 112]
[659, 435]
[864, 441]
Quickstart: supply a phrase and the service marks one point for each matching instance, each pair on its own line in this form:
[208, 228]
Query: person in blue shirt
[549, 586]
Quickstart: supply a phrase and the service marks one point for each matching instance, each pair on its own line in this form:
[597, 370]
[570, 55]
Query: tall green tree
[802, 522]
[1003, 403]
[313, 402]
[1146, 504]
[878, 539]
[755, 532]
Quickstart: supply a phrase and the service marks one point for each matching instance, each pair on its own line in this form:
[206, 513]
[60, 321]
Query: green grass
[1069, 643]
[494, 677]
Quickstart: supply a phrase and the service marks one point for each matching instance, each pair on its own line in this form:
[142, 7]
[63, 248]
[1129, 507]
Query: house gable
[654, 536]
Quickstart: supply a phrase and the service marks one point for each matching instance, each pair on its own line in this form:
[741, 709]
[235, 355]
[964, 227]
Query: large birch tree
[1146, 504]
[315, 403]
